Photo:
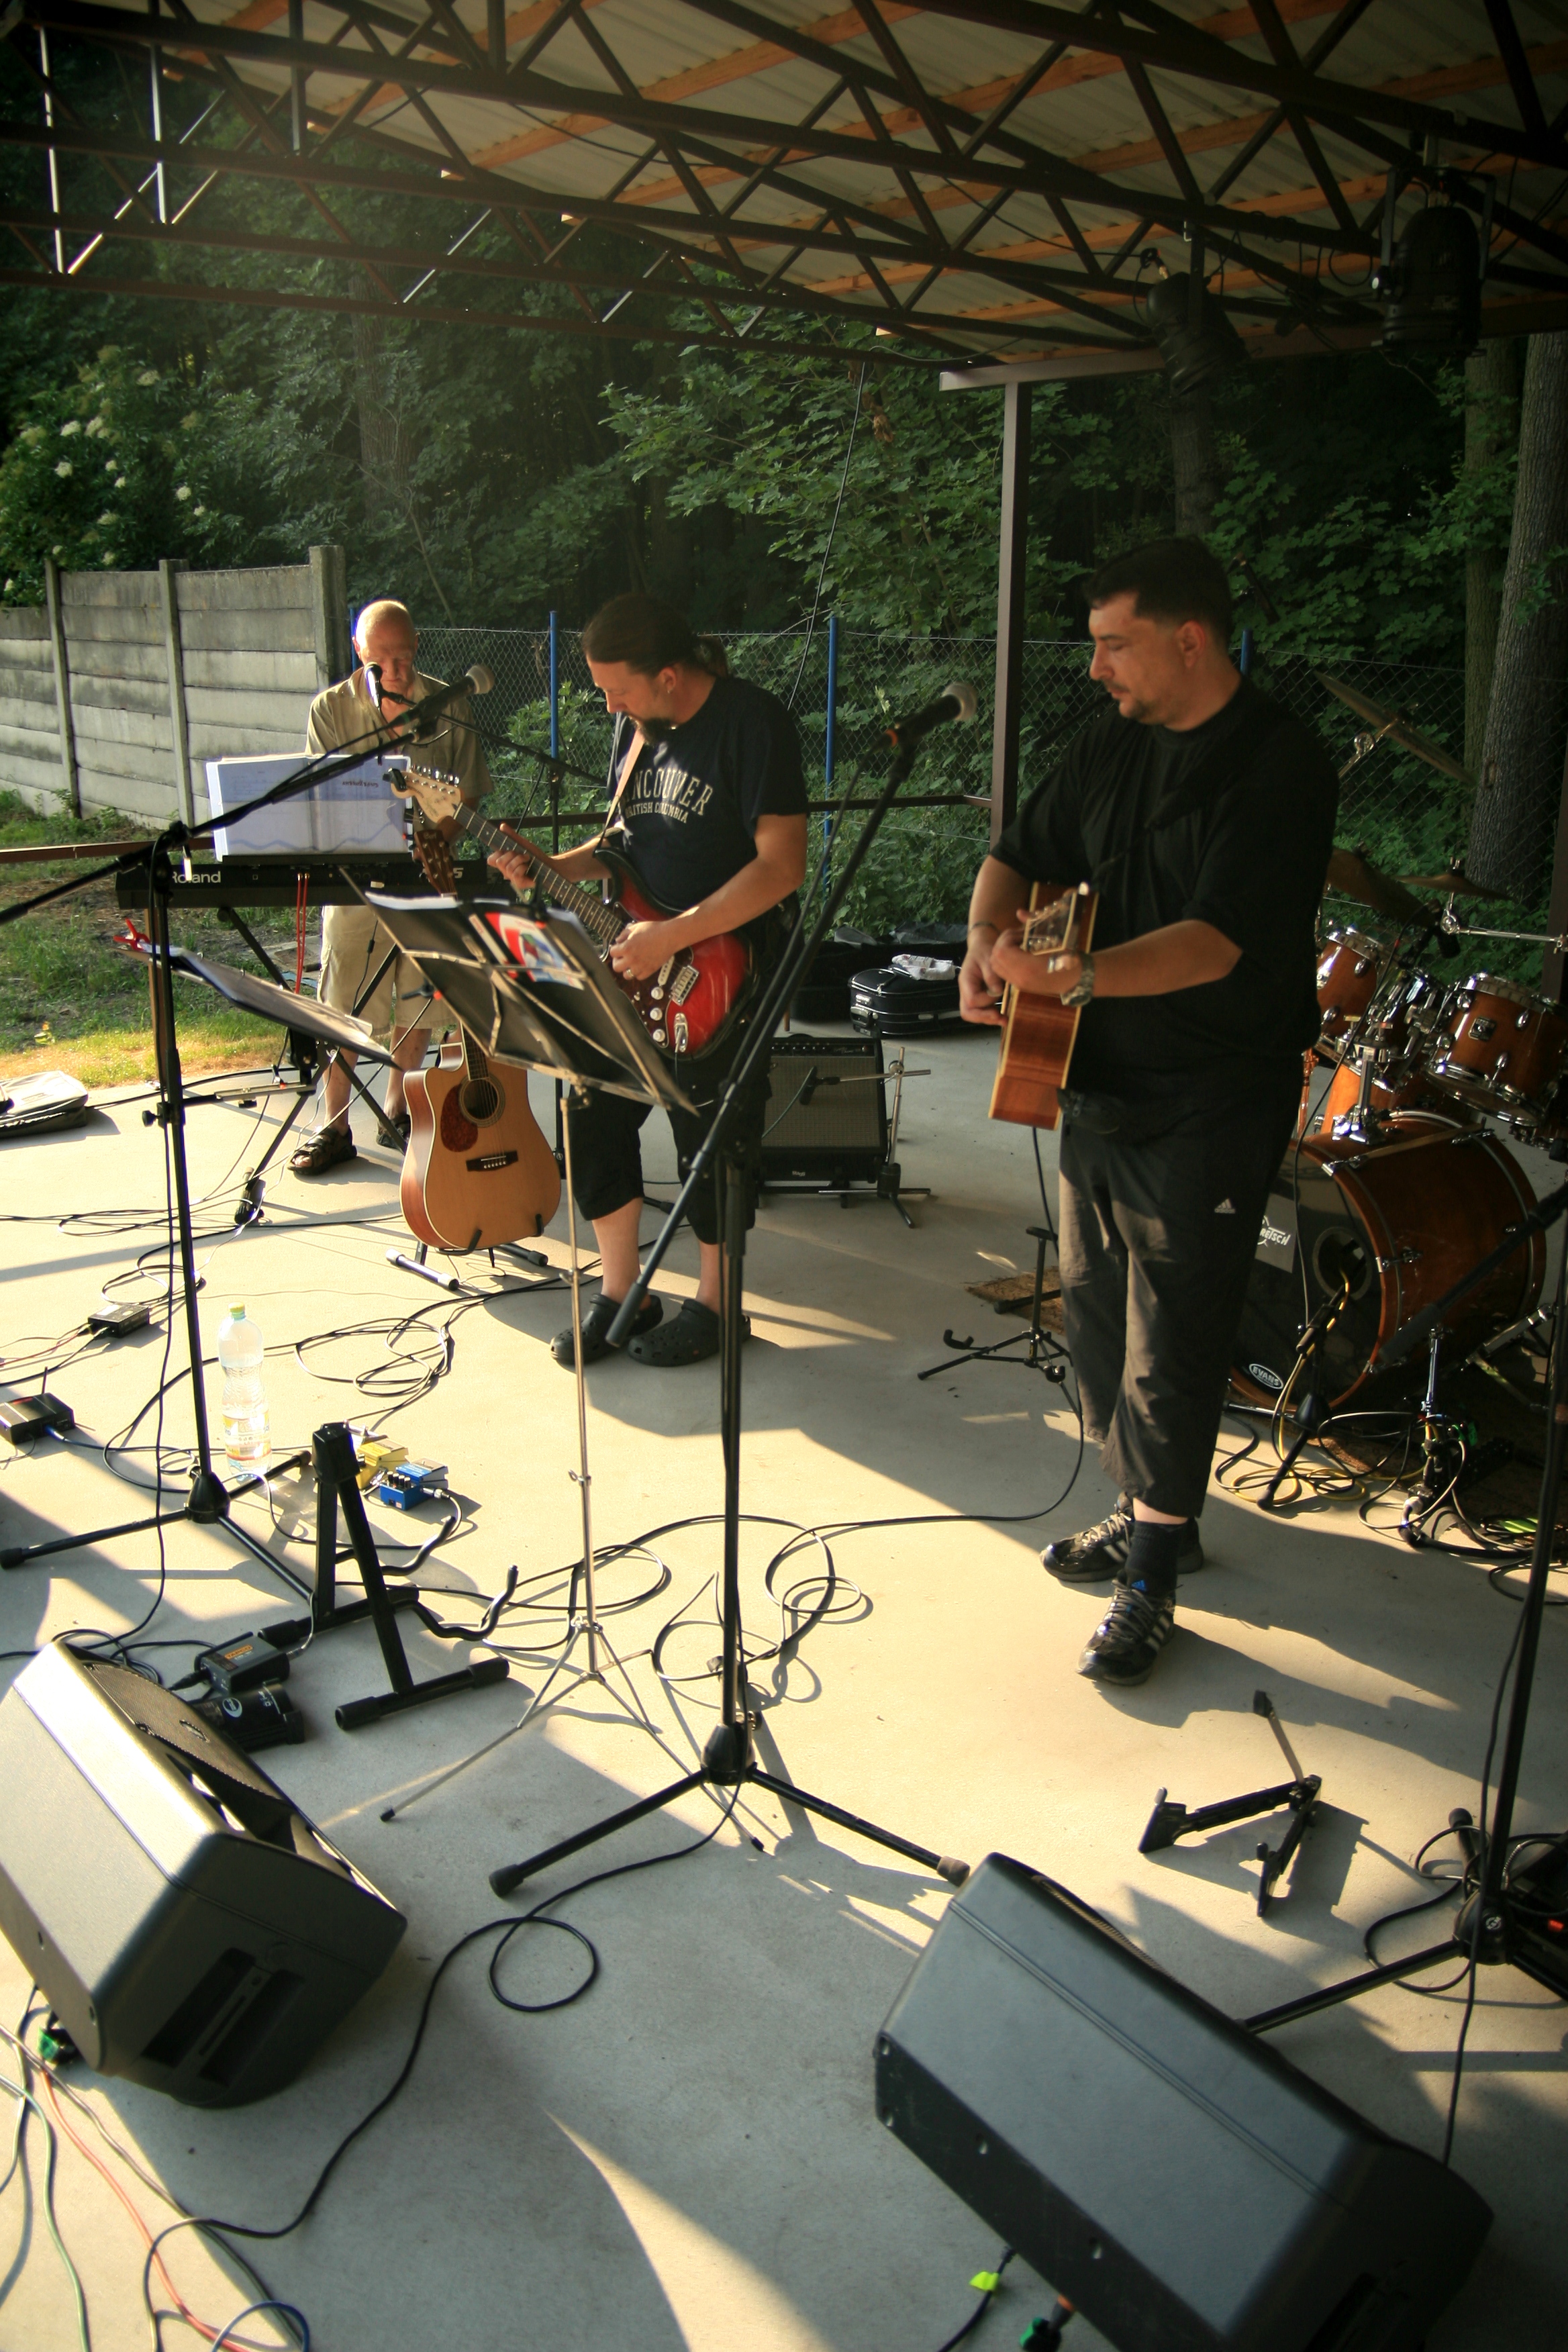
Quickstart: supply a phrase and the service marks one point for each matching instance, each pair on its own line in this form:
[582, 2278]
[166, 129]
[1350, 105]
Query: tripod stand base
[208, 1498]
[722, 1768]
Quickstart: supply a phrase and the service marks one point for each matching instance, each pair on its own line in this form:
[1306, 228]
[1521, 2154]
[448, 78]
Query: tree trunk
[1513, 822]
[1194, 462]
[1491, 429]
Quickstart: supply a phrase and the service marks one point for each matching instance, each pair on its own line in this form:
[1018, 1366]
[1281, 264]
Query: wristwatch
[1082, 988]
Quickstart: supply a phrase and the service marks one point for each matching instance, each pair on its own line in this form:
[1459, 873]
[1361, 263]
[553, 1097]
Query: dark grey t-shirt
[688, 817]
[1247, 853]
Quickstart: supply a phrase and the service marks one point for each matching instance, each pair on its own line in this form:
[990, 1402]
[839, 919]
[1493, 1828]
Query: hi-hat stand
[728, 1759]
[1494, 1926]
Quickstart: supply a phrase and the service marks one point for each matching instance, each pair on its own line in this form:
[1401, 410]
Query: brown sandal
[328, 1148]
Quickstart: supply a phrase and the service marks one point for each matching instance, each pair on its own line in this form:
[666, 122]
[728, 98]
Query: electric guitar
[1039, 1033]
[477, 1170]
[687, 1005]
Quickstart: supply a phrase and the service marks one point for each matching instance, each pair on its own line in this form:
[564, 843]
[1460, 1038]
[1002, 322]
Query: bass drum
[1400, 1224]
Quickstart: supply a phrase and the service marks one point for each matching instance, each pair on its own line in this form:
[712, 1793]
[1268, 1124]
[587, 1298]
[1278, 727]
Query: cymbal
[1359, 879]
[1398, 729]
[1455, 883]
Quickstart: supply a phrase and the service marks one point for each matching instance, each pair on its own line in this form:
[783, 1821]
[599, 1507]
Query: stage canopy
[973, 179]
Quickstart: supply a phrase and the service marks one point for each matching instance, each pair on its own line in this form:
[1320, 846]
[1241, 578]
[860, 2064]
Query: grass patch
[69, 1000]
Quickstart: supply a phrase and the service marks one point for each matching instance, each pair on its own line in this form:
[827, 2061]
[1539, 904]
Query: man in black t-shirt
[1203, 814]
[709, 805]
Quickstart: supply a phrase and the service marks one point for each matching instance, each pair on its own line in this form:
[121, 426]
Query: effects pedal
[118, 1322]
[414, 1484]
[266, 1717]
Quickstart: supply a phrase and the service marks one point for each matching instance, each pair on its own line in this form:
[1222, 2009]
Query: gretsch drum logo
[1276, 1233]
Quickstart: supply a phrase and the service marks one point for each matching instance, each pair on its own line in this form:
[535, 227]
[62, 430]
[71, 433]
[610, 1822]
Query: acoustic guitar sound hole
[481, 1101]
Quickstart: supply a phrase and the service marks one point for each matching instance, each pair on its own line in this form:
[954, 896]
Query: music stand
[728, 1759]
[531, 987]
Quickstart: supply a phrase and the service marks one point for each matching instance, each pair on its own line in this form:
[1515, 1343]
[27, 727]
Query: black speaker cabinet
[827, 1115]
[189, 1927]
[1169, 2173]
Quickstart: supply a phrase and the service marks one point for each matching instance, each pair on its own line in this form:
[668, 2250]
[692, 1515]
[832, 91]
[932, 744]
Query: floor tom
[1394, 1226]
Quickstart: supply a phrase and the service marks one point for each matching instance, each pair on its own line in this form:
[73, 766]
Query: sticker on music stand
[534, 950]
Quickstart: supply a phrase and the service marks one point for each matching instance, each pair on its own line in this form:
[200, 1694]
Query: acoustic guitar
[687, 1005]
[477, 1171]
[1039, 1033]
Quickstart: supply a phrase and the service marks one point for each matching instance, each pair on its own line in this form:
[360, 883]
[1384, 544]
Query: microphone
[956, 701]
[475, 679]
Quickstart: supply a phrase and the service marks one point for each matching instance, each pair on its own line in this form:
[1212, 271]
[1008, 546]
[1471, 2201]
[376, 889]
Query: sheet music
[360, 811]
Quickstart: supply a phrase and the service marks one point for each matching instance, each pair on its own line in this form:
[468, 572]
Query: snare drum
[1399, 1224]
[1502, 1045]
[1348, 972]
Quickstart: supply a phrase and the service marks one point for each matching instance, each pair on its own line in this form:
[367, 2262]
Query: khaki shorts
[352, 945]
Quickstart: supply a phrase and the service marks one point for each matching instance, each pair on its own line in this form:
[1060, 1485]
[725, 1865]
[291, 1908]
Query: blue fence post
[827, 744]
[555, 686]
[1245, 661]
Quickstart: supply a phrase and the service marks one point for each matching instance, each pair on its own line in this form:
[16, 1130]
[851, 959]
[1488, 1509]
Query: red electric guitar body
[685, 1006]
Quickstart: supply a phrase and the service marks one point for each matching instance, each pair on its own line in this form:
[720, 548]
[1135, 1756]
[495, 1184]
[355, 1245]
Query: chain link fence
[1401, 812]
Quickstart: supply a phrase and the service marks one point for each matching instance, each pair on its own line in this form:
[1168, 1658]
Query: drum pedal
[1169, 1821]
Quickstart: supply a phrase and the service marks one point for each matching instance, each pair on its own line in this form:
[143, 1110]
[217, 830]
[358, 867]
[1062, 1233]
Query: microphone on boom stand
[957, 702]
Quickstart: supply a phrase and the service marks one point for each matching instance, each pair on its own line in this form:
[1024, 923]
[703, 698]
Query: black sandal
[691, 1339]
[328, 1149]
[596, 1323]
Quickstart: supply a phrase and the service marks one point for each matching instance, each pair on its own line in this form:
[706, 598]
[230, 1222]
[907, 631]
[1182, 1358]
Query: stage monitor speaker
[1169, 2174]
[190, 1927]
[827, 1115]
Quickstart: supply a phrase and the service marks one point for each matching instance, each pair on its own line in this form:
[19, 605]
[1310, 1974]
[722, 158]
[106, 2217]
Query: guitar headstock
[434, 852]
[436, 795]
[1055, 924]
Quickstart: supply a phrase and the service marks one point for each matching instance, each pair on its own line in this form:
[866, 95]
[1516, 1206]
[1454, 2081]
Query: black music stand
[729, 1759]
[208, 1500]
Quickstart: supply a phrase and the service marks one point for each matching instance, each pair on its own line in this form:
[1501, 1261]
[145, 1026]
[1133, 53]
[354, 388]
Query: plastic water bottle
[246, 1436]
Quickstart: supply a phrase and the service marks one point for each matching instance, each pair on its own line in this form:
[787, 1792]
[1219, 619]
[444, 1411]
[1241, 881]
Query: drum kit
[1399, 1180]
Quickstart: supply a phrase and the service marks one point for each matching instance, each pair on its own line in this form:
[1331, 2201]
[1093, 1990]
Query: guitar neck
[602, 922]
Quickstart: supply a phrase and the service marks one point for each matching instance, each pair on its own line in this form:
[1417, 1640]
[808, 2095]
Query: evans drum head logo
[1265, 1377]
[1277, 1234]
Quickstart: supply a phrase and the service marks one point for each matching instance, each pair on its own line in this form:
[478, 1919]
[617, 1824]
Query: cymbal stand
[583, 1623]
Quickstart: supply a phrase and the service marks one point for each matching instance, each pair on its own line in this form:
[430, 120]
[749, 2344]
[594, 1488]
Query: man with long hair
[709, 807]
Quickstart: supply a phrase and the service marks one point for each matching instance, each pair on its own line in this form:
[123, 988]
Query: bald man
[352, 941]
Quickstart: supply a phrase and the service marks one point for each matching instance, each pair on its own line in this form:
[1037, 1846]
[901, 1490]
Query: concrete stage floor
[688, 2156]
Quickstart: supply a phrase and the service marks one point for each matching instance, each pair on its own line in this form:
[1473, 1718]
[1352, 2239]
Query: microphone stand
[729, 1759]
[208, 1501]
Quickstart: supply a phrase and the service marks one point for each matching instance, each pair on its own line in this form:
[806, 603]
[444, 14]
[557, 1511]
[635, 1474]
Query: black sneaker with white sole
[1128, 1638]
[1097, 1554]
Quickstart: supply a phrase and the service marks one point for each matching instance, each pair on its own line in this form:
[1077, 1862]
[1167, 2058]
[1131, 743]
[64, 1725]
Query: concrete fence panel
[116, 691]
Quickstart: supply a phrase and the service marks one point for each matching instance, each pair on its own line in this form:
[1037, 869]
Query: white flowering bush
[161, 478]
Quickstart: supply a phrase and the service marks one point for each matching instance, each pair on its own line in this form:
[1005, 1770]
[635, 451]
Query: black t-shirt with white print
[688, 817]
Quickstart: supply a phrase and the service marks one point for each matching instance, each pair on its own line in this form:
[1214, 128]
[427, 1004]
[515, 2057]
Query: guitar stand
[1168, 1822]
[419, 1262]
[1046, 1352]
[337, 1487]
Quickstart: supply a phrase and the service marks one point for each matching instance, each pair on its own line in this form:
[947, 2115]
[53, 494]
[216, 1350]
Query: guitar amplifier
[1172, 2175]
[827, 1120]
[190, 1927]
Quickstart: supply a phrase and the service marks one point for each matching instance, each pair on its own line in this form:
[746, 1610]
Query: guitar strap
[1239, 748]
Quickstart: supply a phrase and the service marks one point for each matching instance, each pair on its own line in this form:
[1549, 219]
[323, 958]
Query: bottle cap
[237, 1310]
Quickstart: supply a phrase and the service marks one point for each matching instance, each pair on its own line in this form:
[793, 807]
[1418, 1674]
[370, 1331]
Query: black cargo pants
[1158, 1239]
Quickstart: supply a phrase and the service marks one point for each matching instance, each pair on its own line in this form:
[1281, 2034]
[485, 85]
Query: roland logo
[1262, 1374]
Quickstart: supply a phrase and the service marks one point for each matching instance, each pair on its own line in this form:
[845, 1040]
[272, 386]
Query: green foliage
[122, 466]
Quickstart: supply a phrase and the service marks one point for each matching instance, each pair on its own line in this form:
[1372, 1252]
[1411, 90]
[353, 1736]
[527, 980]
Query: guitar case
[892, 1003]
[824, 991]
[34, 1105]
